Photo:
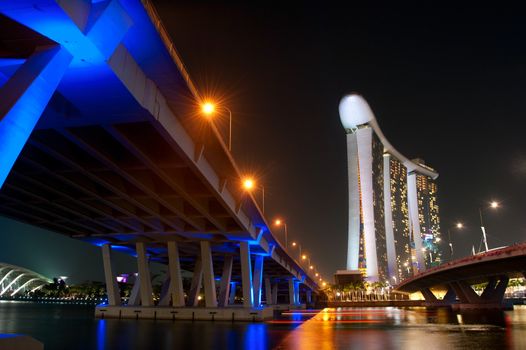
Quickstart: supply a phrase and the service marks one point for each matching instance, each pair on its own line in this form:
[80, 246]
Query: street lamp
[249, 184]
[208, 109]
[294, 244]
[493, 205]
[459, 226]
[279, 222]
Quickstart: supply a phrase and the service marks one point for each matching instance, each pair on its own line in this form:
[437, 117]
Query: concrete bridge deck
[101, 140]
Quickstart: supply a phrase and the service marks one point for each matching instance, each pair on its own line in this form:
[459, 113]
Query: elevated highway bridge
[101, 140]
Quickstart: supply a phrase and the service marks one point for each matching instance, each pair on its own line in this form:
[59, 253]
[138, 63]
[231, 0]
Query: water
[73, 327]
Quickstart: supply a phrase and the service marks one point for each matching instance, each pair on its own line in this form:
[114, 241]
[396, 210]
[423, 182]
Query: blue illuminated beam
[24, 98]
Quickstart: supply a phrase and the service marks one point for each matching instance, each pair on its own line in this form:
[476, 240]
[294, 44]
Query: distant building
[16, 280]
[394, 227]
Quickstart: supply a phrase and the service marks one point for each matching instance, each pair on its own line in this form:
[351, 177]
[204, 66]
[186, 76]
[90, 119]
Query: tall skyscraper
[393, 212]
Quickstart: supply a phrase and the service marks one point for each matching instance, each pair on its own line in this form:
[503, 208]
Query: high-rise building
[393, 211]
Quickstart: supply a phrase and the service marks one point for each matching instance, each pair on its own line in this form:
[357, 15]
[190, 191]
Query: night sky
[447, 85]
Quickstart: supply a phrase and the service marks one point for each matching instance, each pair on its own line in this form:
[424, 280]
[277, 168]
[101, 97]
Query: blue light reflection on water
[256, 336]
[101, 334]
[73, 327]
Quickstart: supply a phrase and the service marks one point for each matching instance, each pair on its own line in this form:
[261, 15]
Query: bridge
[455, 278]
[101, 140]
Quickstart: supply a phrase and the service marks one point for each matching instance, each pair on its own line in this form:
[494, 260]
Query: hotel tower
[394, 226]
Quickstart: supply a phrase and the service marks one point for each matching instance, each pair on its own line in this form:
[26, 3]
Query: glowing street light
[208, 109]
[249, 184]
[317, 274]
[304, 257]
[493, 205]
[311, 267]
[279, 222]
[459, 226]
[324, 284]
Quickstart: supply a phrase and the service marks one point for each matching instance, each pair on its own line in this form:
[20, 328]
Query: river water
[73, 327]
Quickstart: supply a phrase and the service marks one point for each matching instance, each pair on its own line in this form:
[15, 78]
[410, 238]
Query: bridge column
[275, 294]
[450, 296]
[258, 279]
[268, 291]
[465, 293]
[175, 286]
[23, 99]
[135, 296]
[428, 295]
[224, 287]
[112, 288]
[195, 286]
[246, 274]
[292, 291]
[232, 297]
[309, 296]
[495, 292]
[208, 275]
[144, 275]
[297, 292]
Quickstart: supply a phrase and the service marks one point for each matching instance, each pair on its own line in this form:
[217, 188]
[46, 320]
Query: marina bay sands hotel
[394, 228]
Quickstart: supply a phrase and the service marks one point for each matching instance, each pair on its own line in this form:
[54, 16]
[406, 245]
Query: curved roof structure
[18, 280]
[355, 112]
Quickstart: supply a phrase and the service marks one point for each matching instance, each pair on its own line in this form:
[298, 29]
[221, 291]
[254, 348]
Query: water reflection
[65, 327]
[415, 328]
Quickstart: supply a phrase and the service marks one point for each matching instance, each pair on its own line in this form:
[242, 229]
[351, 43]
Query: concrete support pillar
[268, 291]
[144, 275]
[224, 287]
[450, 295]
[135, 295]
[258, 279]
[195, 286]
[112, 288]
[174, 280]
[500, 289]
[309, 296]
[232, 298]
[275, 294]
[246, 274]
[428, 295]
[465, 293]
[23, 99]
[164, 298]
[208, 275]
[297, 292]
[292, 293]
[490, 288]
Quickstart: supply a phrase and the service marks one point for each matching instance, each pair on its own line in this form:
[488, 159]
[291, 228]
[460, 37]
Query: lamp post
[459, 226]
[208, 108]
[279, 222]
[294, 244]
[249, 185]
[493, 205]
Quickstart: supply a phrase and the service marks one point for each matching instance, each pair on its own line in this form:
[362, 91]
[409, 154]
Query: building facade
[394, 227]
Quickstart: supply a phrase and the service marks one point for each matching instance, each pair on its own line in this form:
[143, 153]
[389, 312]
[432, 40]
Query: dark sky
[447, 85]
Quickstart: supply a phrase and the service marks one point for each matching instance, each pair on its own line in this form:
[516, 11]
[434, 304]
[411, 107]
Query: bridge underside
[101, 140]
